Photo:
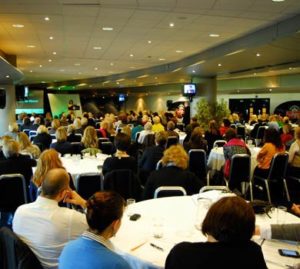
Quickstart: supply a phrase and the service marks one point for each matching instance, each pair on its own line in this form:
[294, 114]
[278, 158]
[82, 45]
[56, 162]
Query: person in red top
[225, 126]
[233, 146]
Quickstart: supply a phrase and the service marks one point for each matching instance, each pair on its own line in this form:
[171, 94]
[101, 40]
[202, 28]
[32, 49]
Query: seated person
[13, 130]
[229, 225]
[170, 129]
[44, 226]
[157, 126]
[233, 146]
[15, 162]
[26, 147]
[196, 141]
[147, 130]
[173, 173]
[62, 145]
[72, 137]
[43, 138]
[120, 160]
[287, 134]
[224, 127]
[294, 156]
[151, 155]
[104, 214]
[90, 141]
[212, 134]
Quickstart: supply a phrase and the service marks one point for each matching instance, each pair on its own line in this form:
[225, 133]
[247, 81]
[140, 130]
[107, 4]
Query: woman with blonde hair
[90, 141]
[62, 145]
[173, 173]
[26, 147]
[42, 139]
[48, 160]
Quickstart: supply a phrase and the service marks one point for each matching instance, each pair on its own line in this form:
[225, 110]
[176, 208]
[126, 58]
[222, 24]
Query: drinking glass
[129, 203]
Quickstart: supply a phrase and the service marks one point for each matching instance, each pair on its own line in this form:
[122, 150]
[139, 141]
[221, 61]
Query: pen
[156, 246]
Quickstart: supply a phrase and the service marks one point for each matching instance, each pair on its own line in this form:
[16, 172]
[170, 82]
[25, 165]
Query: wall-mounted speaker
[2, 98]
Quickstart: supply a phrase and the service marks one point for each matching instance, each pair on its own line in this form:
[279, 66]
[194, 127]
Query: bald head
[56, 180]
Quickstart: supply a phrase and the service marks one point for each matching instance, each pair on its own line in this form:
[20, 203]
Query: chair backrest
[241, 131]
[164, 191]
[87, 184]
[159, 165]
[106, 147]
[149, 140]
[210, 188]
[26, 131]
[15, 253]
[172, 140]
[76, 147]
[260, 132]
[13, 192]
[124, 182]
[197, 163]
[219, 143]
[239, 171]
[278, 166]
[32, 133]
[137, 135]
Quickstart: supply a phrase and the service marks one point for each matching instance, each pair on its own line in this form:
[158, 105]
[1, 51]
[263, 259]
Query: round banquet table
[216, 158]
[177, 218]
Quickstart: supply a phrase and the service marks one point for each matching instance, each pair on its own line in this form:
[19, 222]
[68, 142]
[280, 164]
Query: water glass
[129, 203]
[158, 228]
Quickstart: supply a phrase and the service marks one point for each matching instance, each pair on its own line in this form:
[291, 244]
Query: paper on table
[213, 195]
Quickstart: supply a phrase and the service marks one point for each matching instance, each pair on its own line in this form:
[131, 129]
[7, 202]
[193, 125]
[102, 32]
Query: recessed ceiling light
[179, 51]
[107, 28]
[171, 24]
[117, 82]
[51, 37]
[18, 25]
[95, 68]
[132, 67]
[47, 19]
[50, 60]
[219, 65]
[40, 65]
[257, 54]
[149, 41]
[290, 68]
[131, 55]
[255, 74]
[43, 81]
[278, 0]
[97, 48]
[270, 90]
[161, 59]
[193, 71]
[214, 35]
[30, 71]
[62, 70]
[77, 64]
[111, 64]
[54, 52]
[7, 76]
[31, 46]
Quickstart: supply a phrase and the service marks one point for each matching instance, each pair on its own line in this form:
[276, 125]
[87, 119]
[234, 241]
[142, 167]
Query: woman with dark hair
[212, 134]
[121, 159]
[224, 127]
[104, 213]
[272, 145]
[196, 141]
[229, 225]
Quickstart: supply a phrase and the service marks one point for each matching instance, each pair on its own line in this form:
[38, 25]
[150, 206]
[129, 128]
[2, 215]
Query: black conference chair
[260, 134]
[276, 176]
[13, 192]
[219, 143]
[123, 181]
[15, 254]
[87, 184]
[106, 147]
[149, 140]
[166, 191]
[198, 163]
[172, 140]
[241, 131]
[239, 175]
[159, 165]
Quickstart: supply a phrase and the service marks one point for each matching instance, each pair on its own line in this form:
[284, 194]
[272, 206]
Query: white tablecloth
[216, 158]
[178, 218]
[76, 166]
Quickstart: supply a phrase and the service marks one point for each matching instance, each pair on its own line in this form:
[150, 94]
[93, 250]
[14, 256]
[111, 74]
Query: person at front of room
[104, 213]
[229, 225]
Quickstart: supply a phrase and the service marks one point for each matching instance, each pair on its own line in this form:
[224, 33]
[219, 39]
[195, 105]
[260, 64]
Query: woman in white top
[294, 155]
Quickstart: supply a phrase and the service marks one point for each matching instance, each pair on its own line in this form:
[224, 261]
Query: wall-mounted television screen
[121, 97]
[189, 89]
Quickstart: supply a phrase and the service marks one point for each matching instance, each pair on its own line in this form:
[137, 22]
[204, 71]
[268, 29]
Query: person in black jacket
[42, 139]
[62, 145]
[229, 225]
[173, 173]
[151, 155]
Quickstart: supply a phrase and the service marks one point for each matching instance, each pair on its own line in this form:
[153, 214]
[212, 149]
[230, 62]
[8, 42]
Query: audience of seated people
[294, 156]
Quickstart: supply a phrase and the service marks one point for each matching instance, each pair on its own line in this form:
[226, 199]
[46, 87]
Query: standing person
[104, 214]
[228, 225]
[44, 226]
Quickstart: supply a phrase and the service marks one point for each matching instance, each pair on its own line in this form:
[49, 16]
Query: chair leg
[286, 190]
[207, 178]
[251, 191]
[268, 190]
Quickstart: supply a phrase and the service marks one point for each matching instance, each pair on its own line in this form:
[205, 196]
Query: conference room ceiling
[126, 43]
